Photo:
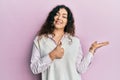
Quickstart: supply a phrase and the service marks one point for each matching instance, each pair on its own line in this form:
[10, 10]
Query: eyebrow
[63, 13]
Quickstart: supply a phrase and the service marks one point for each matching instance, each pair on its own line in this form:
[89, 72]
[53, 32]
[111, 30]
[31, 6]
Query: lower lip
[58, 23]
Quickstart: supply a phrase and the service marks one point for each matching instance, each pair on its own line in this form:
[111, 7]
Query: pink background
[95, 20]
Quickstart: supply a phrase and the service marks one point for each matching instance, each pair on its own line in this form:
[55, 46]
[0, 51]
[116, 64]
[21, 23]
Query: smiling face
[60, 19]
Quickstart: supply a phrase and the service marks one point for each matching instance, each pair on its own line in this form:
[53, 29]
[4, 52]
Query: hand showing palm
[96, 45]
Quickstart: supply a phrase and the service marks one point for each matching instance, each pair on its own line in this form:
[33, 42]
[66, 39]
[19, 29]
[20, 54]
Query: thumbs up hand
[57, 53]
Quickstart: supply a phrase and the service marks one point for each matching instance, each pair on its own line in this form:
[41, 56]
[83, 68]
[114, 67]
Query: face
[60, 19]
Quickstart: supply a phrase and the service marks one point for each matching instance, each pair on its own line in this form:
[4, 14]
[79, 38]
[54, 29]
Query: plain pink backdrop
[95, 20]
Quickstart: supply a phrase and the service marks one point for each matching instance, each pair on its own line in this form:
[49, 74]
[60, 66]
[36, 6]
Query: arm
[82, 63]
[38, 63]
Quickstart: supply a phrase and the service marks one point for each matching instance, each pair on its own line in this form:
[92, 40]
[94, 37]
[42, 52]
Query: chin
[58, 27]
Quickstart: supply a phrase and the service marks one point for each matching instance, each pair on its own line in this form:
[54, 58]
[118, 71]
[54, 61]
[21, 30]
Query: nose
[59, 17]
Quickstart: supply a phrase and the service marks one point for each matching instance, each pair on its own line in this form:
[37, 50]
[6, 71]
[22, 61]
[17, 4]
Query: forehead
[62, 11]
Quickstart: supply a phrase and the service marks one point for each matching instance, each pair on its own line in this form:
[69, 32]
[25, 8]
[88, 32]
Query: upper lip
[58, 21]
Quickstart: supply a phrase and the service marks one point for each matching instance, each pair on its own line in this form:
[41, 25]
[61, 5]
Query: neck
[58, 32]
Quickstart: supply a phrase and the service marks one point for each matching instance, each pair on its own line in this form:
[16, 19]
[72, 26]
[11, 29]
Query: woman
[57, 52]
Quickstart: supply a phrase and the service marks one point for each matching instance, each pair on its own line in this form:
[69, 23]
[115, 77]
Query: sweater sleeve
[83, 62]
[38, 64]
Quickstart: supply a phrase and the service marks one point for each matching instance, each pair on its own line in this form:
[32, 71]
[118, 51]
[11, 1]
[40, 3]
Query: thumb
[59, 44]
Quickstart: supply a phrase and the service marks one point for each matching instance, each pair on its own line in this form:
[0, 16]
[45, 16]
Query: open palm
[95, 45]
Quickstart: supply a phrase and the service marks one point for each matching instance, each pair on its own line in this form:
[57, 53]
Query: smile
[58, 22]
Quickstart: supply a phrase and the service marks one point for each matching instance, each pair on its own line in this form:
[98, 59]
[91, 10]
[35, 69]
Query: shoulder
[75, 39]
[39, 38]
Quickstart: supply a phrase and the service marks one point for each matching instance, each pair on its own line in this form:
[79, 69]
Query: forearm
[82, 65]
[40, 65]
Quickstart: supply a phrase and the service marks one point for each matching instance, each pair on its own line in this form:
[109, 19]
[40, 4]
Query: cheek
[55, 17]
[65, 22]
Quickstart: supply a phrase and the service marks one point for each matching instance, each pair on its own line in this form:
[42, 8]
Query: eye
[57, 14]
[64, 16]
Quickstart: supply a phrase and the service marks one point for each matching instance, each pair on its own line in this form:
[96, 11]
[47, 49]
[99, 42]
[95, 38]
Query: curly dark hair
[48, 27]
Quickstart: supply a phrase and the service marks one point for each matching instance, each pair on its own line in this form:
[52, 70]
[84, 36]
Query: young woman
[57, 52]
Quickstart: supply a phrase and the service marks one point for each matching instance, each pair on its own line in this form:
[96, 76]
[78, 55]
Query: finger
[62, 49]
[59, 45]
[95, 42]
[104, 43]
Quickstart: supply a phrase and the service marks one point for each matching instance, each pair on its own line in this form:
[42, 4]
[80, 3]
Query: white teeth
[59, 22]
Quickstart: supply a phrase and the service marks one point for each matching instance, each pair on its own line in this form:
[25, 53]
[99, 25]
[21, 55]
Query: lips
[58, 22]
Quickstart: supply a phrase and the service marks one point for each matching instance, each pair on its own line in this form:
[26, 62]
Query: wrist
[92, 50]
